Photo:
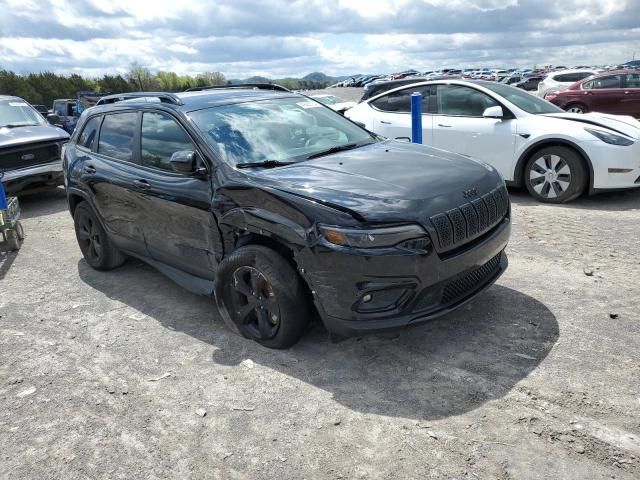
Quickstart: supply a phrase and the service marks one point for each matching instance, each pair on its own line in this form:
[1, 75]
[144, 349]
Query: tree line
[43, 88]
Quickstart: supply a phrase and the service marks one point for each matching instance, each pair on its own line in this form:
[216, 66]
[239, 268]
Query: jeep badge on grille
[27, 156]
[472, 192]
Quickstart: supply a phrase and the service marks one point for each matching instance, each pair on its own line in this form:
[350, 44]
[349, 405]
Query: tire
[11, 237]
[261, 297]
[576, 108]
[96, 247]
[20, 230]
[555, 175]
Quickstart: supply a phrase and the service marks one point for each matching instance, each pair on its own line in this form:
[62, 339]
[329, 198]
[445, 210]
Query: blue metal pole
[3, 198]
[416, 117]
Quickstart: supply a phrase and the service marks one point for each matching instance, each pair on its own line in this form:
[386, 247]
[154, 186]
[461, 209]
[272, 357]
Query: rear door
[392, 114]
[458, 126]
[179, 227]
[109, 169]
[631, 92]
[604, 94]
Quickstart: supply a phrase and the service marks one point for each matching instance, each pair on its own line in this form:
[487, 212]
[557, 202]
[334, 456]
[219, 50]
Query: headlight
[610, 138]
[373, 238]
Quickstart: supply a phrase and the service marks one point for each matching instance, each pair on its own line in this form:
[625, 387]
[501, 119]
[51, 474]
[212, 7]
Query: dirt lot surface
[126, 375]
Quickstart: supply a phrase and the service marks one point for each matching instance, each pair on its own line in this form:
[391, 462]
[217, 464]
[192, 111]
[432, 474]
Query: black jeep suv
[276, 204]
[30, 148]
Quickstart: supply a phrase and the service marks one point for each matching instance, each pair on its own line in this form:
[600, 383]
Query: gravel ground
[125, 375]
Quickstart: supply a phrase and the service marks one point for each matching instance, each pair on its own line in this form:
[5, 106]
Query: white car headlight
[610, 138]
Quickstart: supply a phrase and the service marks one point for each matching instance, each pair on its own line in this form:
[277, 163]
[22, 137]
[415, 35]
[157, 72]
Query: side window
[89, 132]
[400, 101]
[117, 134]
[610, 81]
[633, 80]
[161, 138]
[459, 100]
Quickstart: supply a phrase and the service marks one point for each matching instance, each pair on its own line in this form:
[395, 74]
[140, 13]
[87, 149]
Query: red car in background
[616, 91]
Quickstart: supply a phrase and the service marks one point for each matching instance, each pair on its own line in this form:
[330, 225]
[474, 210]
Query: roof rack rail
[256, 86]
[164, 97]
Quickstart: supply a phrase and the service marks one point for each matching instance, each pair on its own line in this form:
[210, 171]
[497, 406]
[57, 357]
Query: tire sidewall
[579, 105]
[110, 257]
[576, 166]
[287, 287]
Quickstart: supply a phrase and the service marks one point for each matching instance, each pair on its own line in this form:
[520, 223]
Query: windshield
[16, 113]
[284, 130]
[521, 99]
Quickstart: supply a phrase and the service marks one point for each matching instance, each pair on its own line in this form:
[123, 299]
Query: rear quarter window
[89, 133]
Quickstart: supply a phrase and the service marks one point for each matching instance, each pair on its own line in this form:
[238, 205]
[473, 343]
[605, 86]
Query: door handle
[627, 92]
[142, 184]
[443, 125]
[385, 122]
[90, 169]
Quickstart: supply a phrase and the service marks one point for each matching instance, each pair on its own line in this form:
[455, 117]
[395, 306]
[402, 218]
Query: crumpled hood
[619, 123]
[11, 137]
[387, 181]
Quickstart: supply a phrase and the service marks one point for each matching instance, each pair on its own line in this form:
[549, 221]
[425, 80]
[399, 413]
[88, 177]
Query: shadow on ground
[617, 201]
[42, 201]
[446, 367]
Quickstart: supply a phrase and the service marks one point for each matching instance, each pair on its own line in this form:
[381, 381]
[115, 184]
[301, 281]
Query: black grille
[28, 155]
[463, 224]
[460, 288]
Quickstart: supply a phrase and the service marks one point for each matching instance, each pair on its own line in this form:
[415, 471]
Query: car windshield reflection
[283, 130]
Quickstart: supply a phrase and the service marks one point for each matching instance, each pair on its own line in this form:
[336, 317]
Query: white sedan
[556, 155]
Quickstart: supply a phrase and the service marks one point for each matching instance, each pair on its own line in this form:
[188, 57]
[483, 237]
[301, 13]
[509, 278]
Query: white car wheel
[555, 175]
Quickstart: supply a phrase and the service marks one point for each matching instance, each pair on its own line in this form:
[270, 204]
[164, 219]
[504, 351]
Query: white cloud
[294, 37]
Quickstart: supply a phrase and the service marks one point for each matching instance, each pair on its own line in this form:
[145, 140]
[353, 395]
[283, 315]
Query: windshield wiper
[336, 149]
[15, 125]
[264, 164]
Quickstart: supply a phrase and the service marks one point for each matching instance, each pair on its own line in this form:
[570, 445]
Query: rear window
[572, 77]
[89, 133]
[117, 134]
[400, 101]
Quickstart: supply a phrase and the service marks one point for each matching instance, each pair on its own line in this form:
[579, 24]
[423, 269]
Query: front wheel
[555, 175]
[262, 297]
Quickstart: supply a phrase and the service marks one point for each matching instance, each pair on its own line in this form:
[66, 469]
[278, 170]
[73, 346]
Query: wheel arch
[551, 142]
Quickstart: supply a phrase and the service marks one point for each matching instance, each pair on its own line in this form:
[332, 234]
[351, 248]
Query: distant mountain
[314, 79]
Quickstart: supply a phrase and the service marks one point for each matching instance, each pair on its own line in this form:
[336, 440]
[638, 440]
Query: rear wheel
[576, 108]
[98, 250]
[555, 175]
[262, 297]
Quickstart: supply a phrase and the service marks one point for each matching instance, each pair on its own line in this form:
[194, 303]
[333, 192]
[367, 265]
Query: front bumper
[416, 288]
[46, 173]
[614, 167]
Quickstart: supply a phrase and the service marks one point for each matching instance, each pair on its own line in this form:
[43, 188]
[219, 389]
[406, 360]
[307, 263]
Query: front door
[179, 227]
[458, 126]
[631, 92]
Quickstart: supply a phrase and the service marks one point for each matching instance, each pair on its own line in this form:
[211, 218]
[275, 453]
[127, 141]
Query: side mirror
[185, 161]
[493, 112]
[54, 119]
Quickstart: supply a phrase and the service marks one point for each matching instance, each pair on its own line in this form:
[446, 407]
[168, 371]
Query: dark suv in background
[30, 147]
[277, 204]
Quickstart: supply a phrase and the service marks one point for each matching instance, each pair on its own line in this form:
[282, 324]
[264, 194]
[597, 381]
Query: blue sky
[279, 38]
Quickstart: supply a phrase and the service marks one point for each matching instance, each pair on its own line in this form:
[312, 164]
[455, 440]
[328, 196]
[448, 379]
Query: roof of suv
[196, 100]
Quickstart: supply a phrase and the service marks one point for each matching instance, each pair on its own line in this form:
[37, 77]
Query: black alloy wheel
[255, 305]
